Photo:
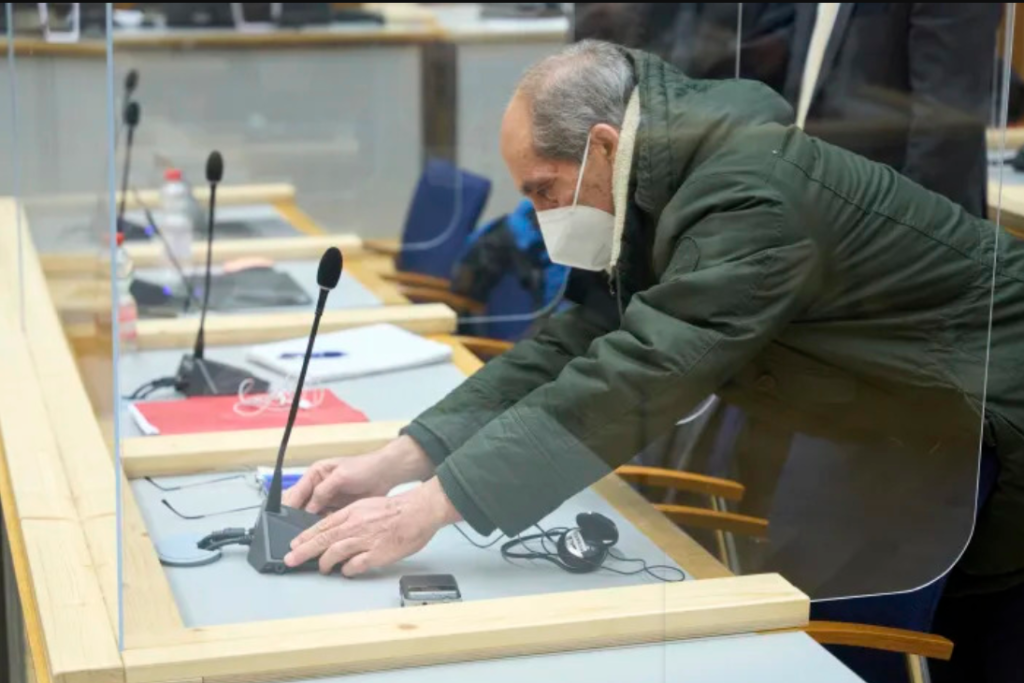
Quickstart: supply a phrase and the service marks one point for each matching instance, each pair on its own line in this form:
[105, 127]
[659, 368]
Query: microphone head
[131, 114]
[214, 167]
[329, 272]
[131, 81]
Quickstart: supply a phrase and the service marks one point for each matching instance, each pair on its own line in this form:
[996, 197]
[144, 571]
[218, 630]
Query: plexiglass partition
[855, 423]
[58, 422]
[633, 298]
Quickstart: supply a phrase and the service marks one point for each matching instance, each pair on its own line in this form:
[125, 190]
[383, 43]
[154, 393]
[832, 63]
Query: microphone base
[202, 377]
[133, 232]
[272, 540]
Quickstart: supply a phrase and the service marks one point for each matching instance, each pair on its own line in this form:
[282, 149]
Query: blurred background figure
[906, 84]
[699, 38]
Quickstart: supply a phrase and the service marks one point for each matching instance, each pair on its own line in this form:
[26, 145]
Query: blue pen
[316, 354]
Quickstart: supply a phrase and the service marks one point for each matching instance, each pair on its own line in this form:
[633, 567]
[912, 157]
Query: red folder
[217, 414]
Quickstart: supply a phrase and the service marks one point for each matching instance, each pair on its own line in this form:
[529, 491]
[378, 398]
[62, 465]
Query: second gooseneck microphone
[214, 174]
[131, 119]
[196, 375]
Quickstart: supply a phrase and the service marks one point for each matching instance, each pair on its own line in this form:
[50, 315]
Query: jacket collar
[679, 124]
[621, 172]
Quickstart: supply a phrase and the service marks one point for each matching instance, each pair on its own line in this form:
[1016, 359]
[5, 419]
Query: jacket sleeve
[733, 281]
[950, 77]
[502, 382]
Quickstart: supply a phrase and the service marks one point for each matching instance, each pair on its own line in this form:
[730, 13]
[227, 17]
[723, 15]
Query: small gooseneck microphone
[279, 524]
[196, 375]
[131, 81]
[214, 174]
[132, 113]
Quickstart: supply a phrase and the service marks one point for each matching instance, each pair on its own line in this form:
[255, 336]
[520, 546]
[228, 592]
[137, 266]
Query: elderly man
[707, 237]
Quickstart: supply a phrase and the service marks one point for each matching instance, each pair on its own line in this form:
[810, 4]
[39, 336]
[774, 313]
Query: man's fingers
[333, 520]
[357, 565]
[340, 552]
[325, 492]
[298, 495]
[314, 544]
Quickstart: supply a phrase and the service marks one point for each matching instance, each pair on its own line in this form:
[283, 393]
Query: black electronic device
[196, 375]
[428, 589]
[521, 10]
[296, 14]
[198, 14]
[351, 15]
[279, 524]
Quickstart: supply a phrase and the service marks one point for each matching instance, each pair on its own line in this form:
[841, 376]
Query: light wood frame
[60, 491]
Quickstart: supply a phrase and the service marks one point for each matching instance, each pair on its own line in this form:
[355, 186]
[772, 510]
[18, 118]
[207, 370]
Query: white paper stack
[358, 352]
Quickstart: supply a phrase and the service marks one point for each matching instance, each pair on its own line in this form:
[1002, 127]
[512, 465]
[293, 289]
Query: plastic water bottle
[127, 308]
[176, 219]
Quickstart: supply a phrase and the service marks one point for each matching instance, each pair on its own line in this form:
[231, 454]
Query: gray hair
[570, 92]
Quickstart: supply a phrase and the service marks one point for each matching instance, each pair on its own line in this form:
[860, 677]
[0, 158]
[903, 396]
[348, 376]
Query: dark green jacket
[773, 270]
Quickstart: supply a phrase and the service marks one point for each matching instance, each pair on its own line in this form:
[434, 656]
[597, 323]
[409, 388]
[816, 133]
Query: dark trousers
[988, 636]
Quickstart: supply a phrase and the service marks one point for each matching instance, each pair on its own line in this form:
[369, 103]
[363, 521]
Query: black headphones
[579, 550]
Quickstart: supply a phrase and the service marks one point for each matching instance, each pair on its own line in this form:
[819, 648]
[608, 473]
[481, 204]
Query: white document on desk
[358, 352]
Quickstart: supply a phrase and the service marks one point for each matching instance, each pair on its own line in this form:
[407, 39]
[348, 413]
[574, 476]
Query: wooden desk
[59, 490]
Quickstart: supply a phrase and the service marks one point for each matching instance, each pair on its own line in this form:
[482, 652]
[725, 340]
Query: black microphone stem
[201, 337]
[124, 178]
[274, 495]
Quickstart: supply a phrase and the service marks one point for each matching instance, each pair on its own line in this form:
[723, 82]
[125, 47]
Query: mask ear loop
[583, 167]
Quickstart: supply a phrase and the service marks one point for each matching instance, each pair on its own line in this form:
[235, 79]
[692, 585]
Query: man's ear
[605, 140]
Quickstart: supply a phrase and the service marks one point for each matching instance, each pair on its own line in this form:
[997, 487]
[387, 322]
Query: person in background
[905, 84]
[698, 38]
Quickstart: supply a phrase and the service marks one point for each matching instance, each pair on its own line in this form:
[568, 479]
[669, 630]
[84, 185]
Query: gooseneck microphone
[131, 119]
[196, 375]
[214, 173]
[131, 81]
[278, 524]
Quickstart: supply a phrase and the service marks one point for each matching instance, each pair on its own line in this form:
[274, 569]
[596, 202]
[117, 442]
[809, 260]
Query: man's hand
[334, 483]
[375, 532]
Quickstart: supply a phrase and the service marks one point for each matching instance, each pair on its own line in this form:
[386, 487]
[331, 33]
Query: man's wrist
[439, 506]
[407, 460]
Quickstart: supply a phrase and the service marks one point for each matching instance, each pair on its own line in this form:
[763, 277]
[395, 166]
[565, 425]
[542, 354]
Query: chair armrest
[681, 481]
[687, 516]
[424, 295]
[389, 247]
[485, 347]
[417, 280]
[880, 638]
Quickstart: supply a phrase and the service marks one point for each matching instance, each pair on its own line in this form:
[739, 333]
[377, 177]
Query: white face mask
[578, 236]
